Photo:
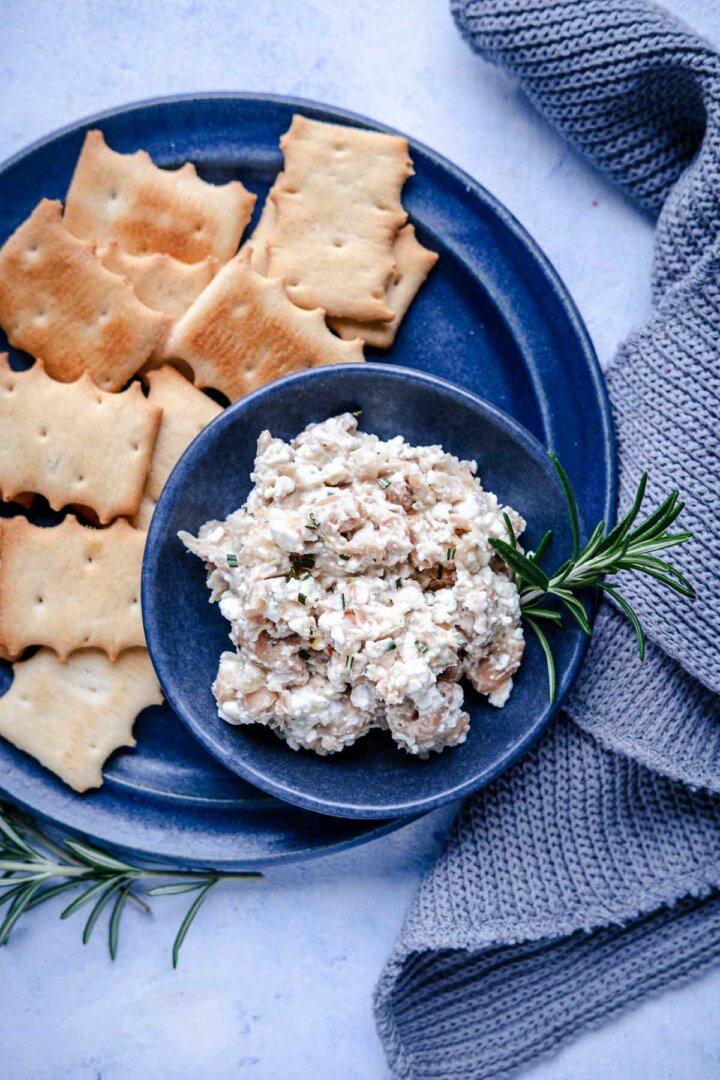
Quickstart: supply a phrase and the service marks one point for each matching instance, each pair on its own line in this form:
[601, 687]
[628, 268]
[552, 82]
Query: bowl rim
[235, 762]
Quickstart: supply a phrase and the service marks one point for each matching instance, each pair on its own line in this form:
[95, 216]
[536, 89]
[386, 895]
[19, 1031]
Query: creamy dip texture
[360, 587]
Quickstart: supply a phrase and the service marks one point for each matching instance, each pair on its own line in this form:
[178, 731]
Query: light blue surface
[276, 979]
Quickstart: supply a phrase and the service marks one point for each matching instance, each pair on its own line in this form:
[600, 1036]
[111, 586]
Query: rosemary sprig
[30, 861]
[624, 548]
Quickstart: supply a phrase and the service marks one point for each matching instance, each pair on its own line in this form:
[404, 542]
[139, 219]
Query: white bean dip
[361, 587]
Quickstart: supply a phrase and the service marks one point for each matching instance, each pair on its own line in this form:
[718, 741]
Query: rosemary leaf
[629, 611]
[523, 567]
[189, 919]
[178, 887]
[98, 859]
[549, 658]
[114, 925]
[105, 898]
[17, 907]
[83, 899]
[571, 503]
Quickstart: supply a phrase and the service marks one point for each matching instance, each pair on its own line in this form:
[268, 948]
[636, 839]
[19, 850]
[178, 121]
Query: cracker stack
[332, 227]
[140, 268]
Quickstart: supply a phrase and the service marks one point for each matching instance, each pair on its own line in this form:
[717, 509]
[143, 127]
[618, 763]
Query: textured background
[275, 980]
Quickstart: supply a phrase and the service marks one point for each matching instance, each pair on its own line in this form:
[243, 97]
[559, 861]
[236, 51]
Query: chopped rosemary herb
[384, 482]
[342, 600]
[304, 654]
[304, 577]
[440, 571]
[421, 646]
[302, 597]
[357, 412]
[349, 661]
[232, 560]
[345, 558]
[313, 523]
[300, 562]
[451, 553]
[398, 583]
[391, 646]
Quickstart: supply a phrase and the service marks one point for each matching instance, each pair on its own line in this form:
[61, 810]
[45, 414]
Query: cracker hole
[43, 433]
[135, 446]
[113, 196]
[339, 146]
[89, 559]
[39, 599]
[290, 190]
[338, 243]
[80, 479]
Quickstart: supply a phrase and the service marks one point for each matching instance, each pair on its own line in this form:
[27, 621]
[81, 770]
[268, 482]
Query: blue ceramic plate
[186, 635]
[493, 317]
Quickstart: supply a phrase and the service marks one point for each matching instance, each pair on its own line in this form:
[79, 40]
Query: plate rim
[606, 435]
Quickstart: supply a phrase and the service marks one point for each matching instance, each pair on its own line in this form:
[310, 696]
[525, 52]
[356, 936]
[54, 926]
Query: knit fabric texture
[588, 876]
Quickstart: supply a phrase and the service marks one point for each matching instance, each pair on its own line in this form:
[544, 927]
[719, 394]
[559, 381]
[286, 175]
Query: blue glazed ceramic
[186, 635]
[493, 317]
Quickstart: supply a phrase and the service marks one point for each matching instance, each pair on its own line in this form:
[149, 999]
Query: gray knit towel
[589, 875]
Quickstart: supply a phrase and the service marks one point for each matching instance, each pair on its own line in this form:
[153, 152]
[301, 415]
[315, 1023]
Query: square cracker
[70, 716]
[124, 197]
[59, 303]
[70, 587]
[185, 412]
[243, 332]
[413, 263]
[337, 207]
[161, 282]
[73, 443]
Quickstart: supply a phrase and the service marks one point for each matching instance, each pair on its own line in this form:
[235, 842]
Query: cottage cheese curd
[360, 587]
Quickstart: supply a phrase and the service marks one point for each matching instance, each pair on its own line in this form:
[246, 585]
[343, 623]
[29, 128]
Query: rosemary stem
[48, 869]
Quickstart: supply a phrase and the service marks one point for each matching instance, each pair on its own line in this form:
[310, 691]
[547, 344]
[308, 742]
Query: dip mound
[360, 586]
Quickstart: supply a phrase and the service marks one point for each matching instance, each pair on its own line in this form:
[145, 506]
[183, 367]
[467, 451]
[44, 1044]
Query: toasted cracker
[73, 443]
[125, 197]
[59, 303]
[70, 716]
[413, 263]
[185, 412]
[338, 210]
[161, 282]
[70, 587]
[243, 332]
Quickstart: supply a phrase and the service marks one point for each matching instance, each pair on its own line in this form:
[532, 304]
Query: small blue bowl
[186, 634]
